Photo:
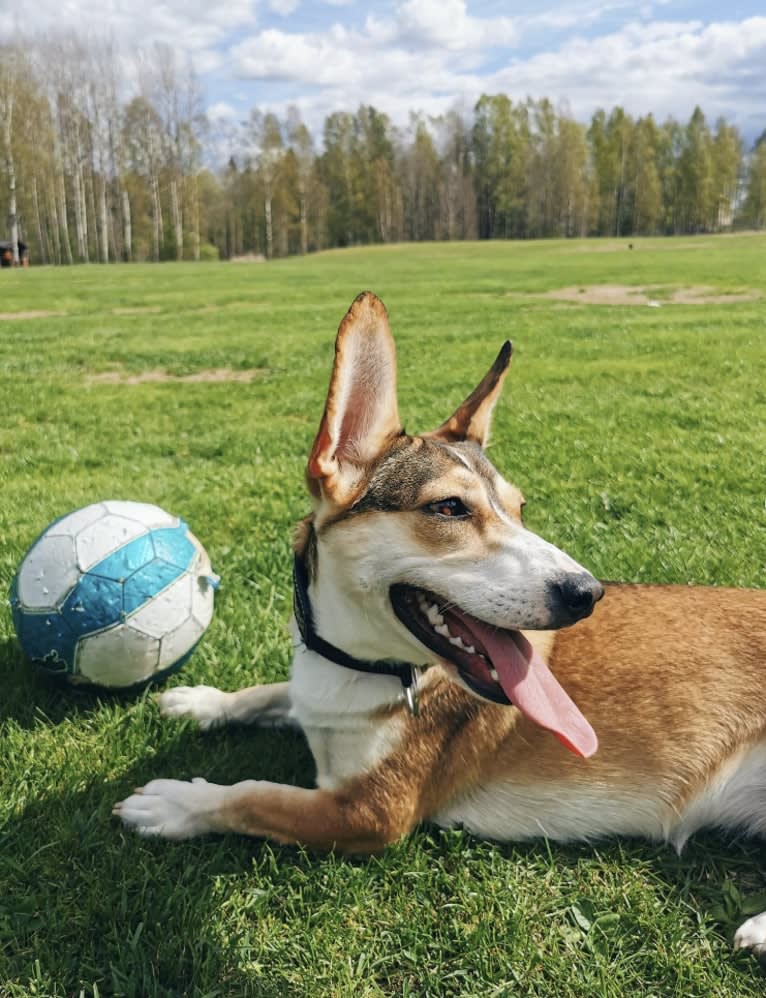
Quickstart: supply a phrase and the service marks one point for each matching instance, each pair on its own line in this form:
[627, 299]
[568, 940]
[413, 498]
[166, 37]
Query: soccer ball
[114, 595]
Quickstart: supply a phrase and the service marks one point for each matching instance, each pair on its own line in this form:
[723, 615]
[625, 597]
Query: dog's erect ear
[472, 419]
[361, 415]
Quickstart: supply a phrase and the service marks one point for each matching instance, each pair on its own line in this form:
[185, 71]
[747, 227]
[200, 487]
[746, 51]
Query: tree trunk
[269, 230]
[102, 218]
[178, 227]
[195, 218]
[156, 217]
[77, 213]
[304, 221]
[90, 206]
[54, 217]
[63, 219]
[38, 222]
[127, 228]
[13, 223]
[81, 214]
[81, 204]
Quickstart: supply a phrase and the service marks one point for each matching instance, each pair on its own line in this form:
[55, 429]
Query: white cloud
[447, 23]
[193, 26]
[428, 46]
[427, 54]
[284, 7]
[221, 111]
[309, 59]
[665, 67]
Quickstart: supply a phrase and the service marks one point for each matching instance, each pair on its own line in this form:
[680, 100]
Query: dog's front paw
[752, 935]
[173, 809]
[205, 704]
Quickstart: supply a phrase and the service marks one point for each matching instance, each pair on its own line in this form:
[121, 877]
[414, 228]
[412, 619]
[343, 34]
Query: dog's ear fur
[471, 420]
[361, 415]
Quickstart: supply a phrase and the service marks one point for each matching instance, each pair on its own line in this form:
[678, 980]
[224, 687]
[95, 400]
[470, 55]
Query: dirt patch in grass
[618, 247]
[137, 310]
[248, 258]
[704, 295]
[600, 294]
[213, 376]
[625, 294]
[10, 316]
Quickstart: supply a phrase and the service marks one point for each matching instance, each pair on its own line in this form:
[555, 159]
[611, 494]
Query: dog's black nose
[579, 593]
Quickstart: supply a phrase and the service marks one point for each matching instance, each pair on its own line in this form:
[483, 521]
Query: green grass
[638, 437]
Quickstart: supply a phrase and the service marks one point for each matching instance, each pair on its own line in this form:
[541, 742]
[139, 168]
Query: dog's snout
[579, 593]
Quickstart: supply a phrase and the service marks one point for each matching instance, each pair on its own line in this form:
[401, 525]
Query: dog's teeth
[493, 673]
[470, 649]
[443, 630]
[434, 617]
[458, 642]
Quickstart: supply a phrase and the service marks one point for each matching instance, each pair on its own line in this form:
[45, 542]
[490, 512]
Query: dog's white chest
[342, 754]
[337, 708]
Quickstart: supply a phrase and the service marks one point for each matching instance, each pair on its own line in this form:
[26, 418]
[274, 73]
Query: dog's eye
[448, 507]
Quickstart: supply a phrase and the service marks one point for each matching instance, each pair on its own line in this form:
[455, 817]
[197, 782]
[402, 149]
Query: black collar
[404, 671]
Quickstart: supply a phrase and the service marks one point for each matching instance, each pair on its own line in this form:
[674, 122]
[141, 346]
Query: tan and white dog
[416, 558]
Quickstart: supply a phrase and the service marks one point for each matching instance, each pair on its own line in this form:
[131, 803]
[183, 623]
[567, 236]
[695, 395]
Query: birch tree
[10, 76]
[302, 146]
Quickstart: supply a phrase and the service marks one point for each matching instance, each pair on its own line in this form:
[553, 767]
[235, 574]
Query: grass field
[638, 436]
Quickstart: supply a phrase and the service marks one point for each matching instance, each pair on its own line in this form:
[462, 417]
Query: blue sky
[429, 55]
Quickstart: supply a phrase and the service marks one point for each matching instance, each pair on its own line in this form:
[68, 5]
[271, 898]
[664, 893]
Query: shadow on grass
[86, 902]
[32, 696]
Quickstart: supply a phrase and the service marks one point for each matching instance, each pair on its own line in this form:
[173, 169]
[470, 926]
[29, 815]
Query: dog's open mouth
[496, 663]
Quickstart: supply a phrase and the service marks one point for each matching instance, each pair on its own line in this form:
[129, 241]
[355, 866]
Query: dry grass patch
[625, 294]
[248, 258]
[10, 316]
[704, 295]
[612, 246]
[137, 310]
[212, 376]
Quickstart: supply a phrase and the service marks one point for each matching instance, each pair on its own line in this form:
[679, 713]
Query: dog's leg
[268, 705]
[360, 818]
[752, 935]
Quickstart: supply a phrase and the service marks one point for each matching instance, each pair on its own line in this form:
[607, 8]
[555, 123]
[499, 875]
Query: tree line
[107, 155]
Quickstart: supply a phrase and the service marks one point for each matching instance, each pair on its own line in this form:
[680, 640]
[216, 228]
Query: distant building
[6, 254]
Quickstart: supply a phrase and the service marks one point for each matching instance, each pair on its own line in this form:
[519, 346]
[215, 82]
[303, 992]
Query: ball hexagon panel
[203, 590]
[152, 517]
[122, 563]
[167, 611]
[71, 524]
[46, 638]
[105, 536]
[93, 604]
[180, 642]
[120, 656]
[144, 584]
[174, 545]
[48, 573]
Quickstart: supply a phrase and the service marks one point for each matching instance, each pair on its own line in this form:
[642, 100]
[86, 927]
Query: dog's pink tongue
[531, 686]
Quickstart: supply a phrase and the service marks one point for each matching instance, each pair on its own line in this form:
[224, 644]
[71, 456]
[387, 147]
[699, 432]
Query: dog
[432, 632]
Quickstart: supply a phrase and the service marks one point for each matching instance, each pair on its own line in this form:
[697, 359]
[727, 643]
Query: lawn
[638, 436]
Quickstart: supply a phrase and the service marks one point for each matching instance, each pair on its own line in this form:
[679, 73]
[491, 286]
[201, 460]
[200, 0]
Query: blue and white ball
[114, 594]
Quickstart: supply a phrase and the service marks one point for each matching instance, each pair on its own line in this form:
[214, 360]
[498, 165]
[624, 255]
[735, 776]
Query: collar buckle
[411, 693]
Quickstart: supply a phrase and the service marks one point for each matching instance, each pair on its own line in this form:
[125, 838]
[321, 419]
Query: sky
[430, 55]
